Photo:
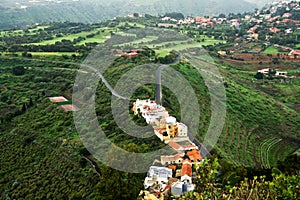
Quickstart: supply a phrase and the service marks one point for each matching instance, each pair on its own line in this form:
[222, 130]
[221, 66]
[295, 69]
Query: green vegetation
[271, 50]
[43, 157]
[276, 185]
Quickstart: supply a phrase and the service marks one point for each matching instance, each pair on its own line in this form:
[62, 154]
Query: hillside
[48, 148]
[40, 139]
[91, 11]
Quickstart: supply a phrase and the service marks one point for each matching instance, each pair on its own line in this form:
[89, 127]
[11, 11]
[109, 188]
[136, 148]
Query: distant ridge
[19, 13]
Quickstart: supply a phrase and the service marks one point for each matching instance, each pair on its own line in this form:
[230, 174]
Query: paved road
[113, 92]
[158, 89]
[203, 150]
[158, 99]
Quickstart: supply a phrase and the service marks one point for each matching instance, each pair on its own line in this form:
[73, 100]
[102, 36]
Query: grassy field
[272, 50]
[179, 47]
[97, 38]
[32, 31]
[59, 39]
[211, 42]
[11, 33]
[132, 24]
[140, 41]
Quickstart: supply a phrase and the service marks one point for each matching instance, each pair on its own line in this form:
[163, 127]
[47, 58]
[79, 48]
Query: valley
[44, 156]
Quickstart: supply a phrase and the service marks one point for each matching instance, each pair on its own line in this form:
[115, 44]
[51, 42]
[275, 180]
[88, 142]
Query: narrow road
[158, 98]
[113, 92]
[158, 90]
[201, 147]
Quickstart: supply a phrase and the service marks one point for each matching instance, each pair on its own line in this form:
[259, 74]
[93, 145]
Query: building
[175, 159]
[281, 74]
[180, 188]
[152, 112]
[157, 175]
[161, 133]
[294, 54]
[194, 155]
[265, 71]
[59, 99]
[132, 53]
[187, 171]
[182, 146]
[182, 130]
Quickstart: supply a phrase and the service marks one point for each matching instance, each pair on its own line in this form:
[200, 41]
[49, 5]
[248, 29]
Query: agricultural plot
[271, 50]
[98, 37]
[11, 33]
[31, 31]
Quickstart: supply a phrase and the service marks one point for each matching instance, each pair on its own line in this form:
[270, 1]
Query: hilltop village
[174, 174]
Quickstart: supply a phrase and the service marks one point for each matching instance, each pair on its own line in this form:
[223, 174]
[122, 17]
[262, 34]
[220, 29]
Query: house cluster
[173, 174]
[275, 19]
[198, 21]
[268, 71]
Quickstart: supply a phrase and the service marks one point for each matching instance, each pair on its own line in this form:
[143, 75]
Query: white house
[157, 175]
[182, 130]
[175, 159]
[170, 120]
[186, 171]
[281, 74]
[264, 71]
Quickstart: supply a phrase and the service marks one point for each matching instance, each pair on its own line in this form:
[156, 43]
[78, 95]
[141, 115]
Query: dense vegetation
[42, 156]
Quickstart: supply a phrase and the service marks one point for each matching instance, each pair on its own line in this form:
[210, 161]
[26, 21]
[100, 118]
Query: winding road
[158, 94]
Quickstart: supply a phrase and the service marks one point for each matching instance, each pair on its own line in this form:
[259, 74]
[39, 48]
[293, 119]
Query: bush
[18, 70]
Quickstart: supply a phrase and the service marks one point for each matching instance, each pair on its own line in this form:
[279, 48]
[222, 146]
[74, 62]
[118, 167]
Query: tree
[30, 102]
[259, 75]
[275, 61]
[18, 70]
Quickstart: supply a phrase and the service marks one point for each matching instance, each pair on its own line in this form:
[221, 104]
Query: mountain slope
[20, 13]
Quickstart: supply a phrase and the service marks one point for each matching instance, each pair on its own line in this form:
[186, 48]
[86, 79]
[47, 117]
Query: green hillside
[43, 156]
[93, 11]
[42, 150]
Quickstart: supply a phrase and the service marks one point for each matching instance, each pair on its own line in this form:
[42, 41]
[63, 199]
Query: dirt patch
[296, 107]
[58, 99]
[69, 108]
[259, 58]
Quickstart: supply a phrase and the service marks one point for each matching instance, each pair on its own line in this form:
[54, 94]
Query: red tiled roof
[173, 167]
[194, 155]
[186, 170]
[174, 145]
[297, 52]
